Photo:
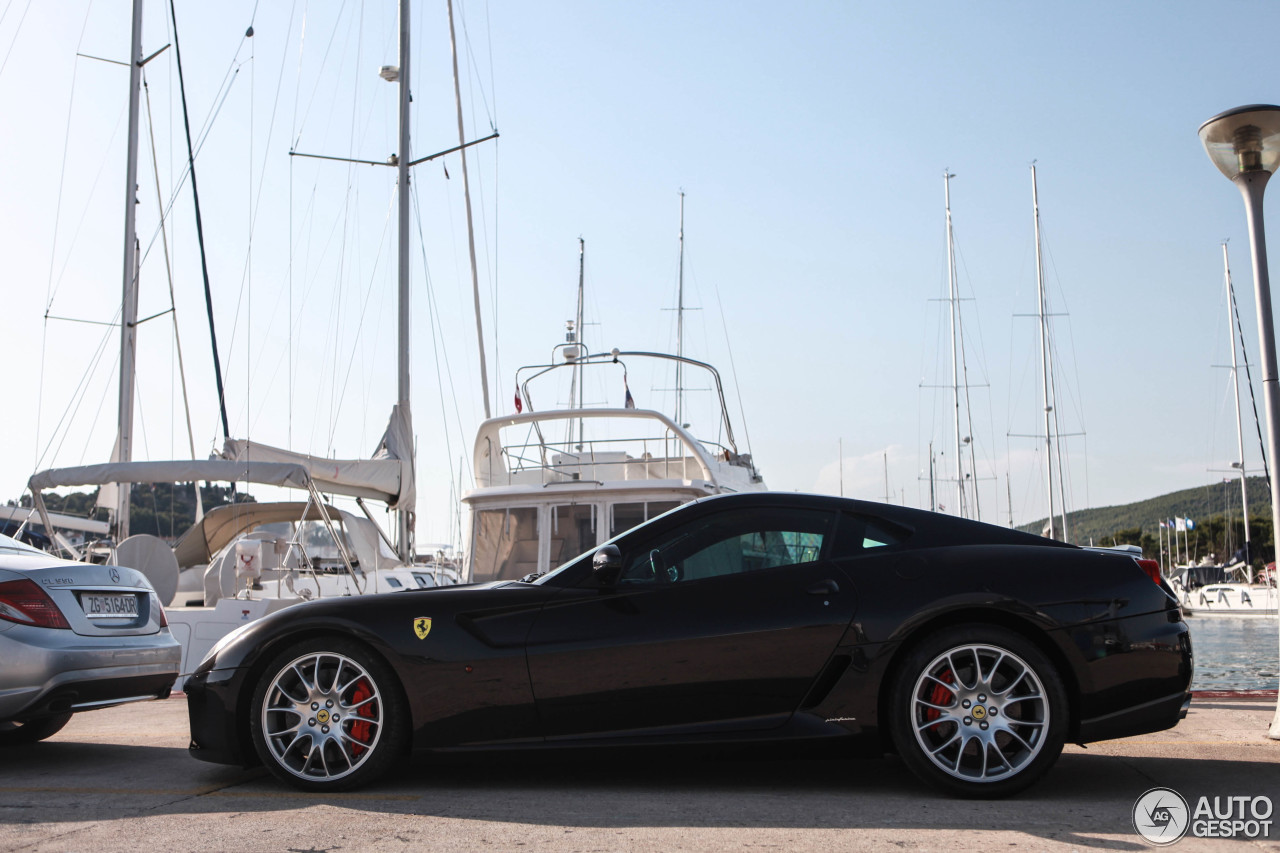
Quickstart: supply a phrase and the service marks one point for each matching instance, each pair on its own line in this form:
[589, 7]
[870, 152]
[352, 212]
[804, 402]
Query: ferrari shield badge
[422, 626]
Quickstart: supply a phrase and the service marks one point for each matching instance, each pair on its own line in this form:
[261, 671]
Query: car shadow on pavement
[1086, 794]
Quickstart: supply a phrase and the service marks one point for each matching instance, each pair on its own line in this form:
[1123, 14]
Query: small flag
[1191, 525]
[1181, 525]
[630, 402]
[1163, 526]
[519, 403]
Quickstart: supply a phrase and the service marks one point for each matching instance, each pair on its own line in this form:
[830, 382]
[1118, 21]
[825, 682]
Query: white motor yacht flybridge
[551, 485]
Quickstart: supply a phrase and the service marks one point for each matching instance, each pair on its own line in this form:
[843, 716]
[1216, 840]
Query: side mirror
[607, 564]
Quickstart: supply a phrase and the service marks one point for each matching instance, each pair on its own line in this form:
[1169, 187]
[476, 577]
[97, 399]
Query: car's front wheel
[14, 733]
[327, 715]
[978, 711]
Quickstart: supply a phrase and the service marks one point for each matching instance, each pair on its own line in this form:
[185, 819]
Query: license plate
[109, 606]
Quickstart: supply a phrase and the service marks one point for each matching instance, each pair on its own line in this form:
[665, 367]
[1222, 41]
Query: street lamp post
[1244, 143]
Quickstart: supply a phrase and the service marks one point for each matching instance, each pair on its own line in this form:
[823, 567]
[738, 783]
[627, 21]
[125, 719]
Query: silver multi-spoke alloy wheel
[322, 716]
[980, 713]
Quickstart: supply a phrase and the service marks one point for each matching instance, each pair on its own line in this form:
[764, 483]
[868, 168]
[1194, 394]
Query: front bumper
[216, 727]
[46, 671]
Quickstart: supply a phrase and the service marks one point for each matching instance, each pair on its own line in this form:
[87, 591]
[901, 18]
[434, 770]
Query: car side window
[862, 534]
[729, 543]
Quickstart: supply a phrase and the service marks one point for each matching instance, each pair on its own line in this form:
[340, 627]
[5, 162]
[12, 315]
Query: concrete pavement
[121, 780]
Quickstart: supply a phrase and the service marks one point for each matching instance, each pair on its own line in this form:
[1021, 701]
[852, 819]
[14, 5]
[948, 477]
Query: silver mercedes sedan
[75, 637]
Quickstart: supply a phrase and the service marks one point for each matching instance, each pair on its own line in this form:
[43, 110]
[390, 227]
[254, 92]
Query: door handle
[824, 587]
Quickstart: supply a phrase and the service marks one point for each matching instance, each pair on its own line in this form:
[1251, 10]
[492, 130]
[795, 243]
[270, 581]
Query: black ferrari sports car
[973, 651]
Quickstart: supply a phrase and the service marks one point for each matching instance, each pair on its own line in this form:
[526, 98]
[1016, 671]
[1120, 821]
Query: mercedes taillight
[24, 602]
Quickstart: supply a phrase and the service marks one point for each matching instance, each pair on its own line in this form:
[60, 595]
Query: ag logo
[422, 626]
[1161, 816]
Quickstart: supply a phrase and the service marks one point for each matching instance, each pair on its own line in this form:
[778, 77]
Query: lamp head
[1245, 139]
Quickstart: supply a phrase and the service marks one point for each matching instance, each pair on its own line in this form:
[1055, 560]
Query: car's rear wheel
[328, 715]
[978, 711]
[13, 733]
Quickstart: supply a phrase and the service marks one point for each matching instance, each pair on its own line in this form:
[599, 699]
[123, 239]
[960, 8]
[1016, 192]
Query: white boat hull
[1230, 599]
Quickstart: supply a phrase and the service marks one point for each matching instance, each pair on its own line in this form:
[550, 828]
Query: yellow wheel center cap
[979, 712]
[322, 715]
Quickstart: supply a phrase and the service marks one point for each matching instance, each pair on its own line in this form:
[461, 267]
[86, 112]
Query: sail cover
[387, 477]
[172, 471]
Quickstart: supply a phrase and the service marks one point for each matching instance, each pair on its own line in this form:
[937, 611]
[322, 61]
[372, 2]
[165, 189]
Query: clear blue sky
[810, 139]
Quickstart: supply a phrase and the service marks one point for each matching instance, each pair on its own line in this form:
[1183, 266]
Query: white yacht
[551, 485]
[1225, 597]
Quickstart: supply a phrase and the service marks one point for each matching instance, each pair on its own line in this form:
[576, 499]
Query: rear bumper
[1136, 677]
[48, 671]
[1155, 716]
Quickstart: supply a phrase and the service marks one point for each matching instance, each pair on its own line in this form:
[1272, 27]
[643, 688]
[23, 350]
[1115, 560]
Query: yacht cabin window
[505, 544]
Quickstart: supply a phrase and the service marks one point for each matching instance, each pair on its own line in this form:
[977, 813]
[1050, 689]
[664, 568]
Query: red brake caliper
[360, 730]
[939, 696]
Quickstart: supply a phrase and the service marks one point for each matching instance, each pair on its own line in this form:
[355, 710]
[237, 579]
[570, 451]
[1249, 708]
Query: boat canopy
[221, 525]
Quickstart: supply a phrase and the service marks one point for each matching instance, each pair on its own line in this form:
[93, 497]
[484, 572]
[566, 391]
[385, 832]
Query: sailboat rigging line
[733, 368]
[53, 249]
[16, 31]
[471, 231]
[1257, 422]
[77, 397]
[324, 60]
[364, 310]
[466, 38]
[56, 281]
[97, 414]
[204, 263]
[438, 348]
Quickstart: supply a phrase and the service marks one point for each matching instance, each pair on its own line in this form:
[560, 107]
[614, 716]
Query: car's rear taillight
[24, 602]
[164, 620]
[1152, 568]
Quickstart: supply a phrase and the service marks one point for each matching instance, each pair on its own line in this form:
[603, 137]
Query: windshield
[13, 546]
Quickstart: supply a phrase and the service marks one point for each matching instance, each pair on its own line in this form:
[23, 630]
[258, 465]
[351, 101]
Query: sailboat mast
[954, 305]
[1235, 382]
[129, 304]
[680, 324]
[466, 193]
[576, 395]
[404, 514]
[933, 495]
[1044, 354]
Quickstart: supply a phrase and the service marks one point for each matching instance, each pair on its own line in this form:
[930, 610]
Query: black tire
[355, 714]
[15, 734]
[978, 711]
